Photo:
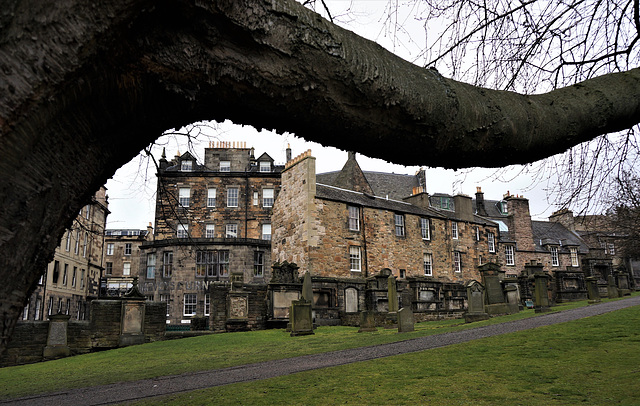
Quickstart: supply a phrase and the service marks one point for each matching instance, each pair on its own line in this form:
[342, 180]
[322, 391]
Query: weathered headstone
[592, 289]
[392, 294]
[541, 292]
[307, 289]
[300, 318]
[492, 277]
[623, 283]
[475, 302]
[57, 338]
[132, 319]
[367, 321]
[612, 288]
[405, 320]
[513, 298]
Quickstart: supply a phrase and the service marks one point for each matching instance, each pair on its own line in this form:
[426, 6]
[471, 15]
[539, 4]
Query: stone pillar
[541, 292]
[57, 338]
[592, 289]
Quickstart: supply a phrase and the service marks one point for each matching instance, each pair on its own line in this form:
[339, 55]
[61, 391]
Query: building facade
[345, 232]
[71, 280]
[122, 259]
[212, 219]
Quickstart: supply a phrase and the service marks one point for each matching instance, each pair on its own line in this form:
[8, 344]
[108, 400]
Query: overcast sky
[132, 189]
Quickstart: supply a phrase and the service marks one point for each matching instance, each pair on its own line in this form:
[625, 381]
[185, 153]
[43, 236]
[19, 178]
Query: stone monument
[405, 320]
[475, 302]
[541, 292]
[592, 289]
[57, 338]
[133, 311]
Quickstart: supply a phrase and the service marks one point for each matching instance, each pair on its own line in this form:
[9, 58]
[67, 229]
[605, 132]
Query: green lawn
[222, 350]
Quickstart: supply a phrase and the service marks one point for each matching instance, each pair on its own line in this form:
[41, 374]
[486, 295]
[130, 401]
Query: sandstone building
[71, 280]
[122, 259]
[345, 227]
[212, 219]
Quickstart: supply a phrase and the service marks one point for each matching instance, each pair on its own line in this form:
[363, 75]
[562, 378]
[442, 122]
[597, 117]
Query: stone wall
[101, 332]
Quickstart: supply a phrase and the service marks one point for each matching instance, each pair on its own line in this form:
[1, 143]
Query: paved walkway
[129, 391]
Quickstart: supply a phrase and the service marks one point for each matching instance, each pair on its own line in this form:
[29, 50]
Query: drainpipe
[364, 243]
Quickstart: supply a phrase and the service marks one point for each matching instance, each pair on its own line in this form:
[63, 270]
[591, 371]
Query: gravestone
[367, 321]
[351, 300]
[492, 277]
[541, 292]
[57, 337]
[612, 289]
[475, 302]
[593, 291]
[237, 304]
[405, 320]
[132, 320]
[623, 283]
[300, 318]
[513, 299]
[307, 289]
[392, 294]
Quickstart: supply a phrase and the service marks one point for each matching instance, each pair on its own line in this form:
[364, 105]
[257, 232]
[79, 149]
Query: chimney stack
[480, 209]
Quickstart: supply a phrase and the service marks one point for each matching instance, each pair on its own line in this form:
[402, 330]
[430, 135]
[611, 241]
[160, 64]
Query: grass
[207, 352]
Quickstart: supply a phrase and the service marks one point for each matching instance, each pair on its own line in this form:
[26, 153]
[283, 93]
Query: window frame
[267, 202]
[574, 256]
[110, 248]
[353, 215]
[212, 195]
[233, 196]
[425, 228]
[509, 255]
[182, 231]
[454, 230]
[210, 231]
[127, 248]
[264, 166]
[184, 196]
[427, 263]
[457, 262]
[355, 258]
[151, 265]
[192, 304]
[186, 165]
[491, 242]
[555, 259]
[167, 264]
[399, 224]
[258, 264]
[126, 268]
[263, 235]
[225, 166]
[229, 230]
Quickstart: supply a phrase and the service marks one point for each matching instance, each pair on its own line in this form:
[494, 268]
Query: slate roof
[553, 233]
[396, 186]
[356, 198]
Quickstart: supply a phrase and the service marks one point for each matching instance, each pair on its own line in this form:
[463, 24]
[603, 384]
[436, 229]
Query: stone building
[523, 240]
[71, 280]
[122, 259]
[212, 219]
[345, 227]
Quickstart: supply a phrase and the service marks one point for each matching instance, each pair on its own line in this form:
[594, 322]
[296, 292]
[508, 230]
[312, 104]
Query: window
[60, 305]
[87, 212]
[502, 206]
[68, 244]
[38, 306]
[167, 299]
[258, 264]
[77, 247]
[266, 232]
[232, 197]
[399, 223]
[231, 231]
[25, 312]
[427, 260]
[64, 275]
[167, 264]
[184, 196]
[265, 166]
[603, 245]
[424, 229]
[211, 197]
[190, 302]
[183, 230]
[66, 310]
[354, 259]
[256, 198]
[212, 263]
[126, 268]
[109, 268]
[74, 276]
[443, 203]
[207, 304]
[82, 279]
[210, 231]
[454, 230]
[509, 255]
[457, 261]
[225, 166]
[127, 248]
[491, 242]
[477, 233]
[267, 197]
[554, 256]
[56, 271]
[612, 249]
[84, 246]
[480, 260]
[186, 166]
[50, 307]
[151, 265]
[354, 218]
[110, 248]
[574, 256]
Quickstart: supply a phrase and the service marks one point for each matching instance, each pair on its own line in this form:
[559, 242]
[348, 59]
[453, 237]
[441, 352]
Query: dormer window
[265, 166]
[503, 207]
[186, 166]
[225, 166]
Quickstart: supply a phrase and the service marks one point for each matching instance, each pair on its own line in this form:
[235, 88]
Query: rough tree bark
[85, 85]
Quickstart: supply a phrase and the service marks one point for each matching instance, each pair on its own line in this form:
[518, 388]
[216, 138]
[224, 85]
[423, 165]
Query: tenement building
[213, 219]
[345, 227]
[122, 259]
[71, 280]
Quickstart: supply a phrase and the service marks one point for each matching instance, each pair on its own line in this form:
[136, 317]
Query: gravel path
[128, 391]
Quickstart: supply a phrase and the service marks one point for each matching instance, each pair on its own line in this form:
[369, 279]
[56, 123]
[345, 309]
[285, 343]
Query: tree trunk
[85, 85]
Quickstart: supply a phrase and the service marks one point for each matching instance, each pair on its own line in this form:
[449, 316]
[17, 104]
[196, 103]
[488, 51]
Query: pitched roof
[396, 186]
[553, 233]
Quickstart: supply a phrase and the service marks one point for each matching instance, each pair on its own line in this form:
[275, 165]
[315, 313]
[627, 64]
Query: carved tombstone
[405, 320]
[475, 302]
